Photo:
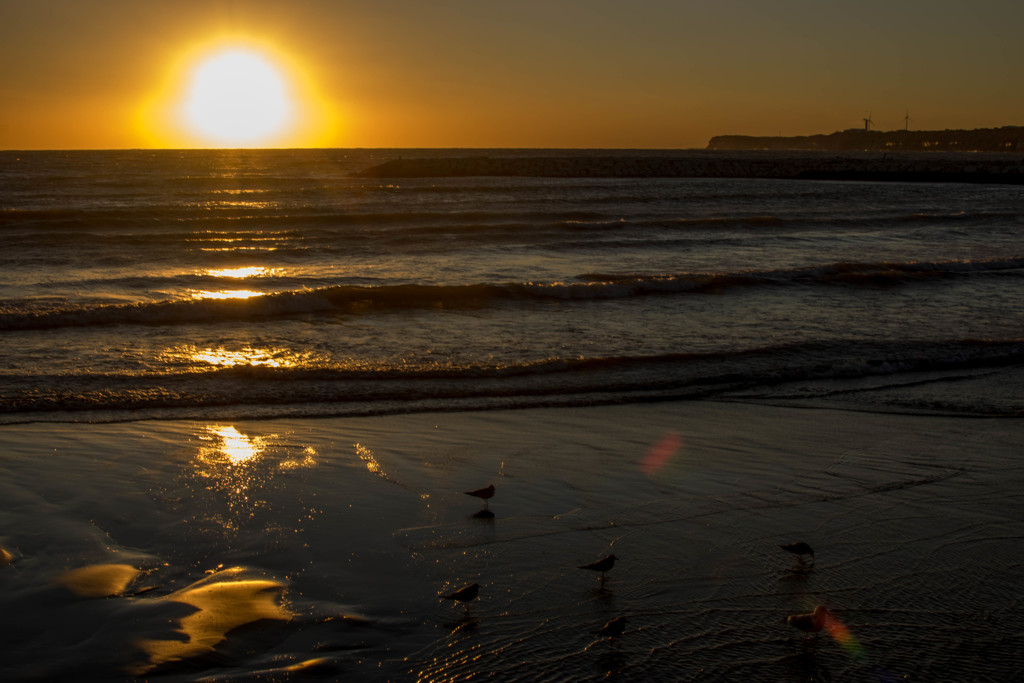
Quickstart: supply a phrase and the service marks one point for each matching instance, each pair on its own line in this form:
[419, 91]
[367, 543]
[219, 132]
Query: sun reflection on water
[227, 445]
[226, 294]
[238, 241]
[307, 459]
[222, 204]
[373, 464]
[244, 272]
[234, 476]
[246, 356]
[198, 359]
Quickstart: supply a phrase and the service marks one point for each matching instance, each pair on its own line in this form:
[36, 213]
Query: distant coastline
[1005, 139]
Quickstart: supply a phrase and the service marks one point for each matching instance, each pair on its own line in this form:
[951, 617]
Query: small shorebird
[613, 628]
[809, 623]
[799, 549]
[485, 493]
[602, 565]
[464, 594]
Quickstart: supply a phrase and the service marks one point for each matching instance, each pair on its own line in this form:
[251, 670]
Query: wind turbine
[906, 120]
[868, 123]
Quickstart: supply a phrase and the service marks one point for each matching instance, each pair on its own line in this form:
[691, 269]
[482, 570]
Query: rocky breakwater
[975, 168]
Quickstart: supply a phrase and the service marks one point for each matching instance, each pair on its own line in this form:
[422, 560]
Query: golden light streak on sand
[98, 580]
[223, 602]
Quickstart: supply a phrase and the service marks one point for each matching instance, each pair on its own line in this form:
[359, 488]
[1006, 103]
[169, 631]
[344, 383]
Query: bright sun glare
[237, 91]
[237, 96]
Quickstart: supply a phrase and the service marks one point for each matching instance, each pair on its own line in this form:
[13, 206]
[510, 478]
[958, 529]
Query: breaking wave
[338, 390]
[357, 300]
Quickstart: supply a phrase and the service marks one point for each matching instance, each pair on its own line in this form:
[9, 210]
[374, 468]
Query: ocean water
[214, 284]
[192, 306]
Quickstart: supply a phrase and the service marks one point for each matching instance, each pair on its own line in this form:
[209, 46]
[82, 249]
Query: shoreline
[330, 540]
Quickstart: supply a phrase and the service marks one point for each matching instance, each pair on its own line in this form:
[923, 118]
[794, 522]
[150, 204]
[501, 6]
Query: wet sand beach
[318, 549]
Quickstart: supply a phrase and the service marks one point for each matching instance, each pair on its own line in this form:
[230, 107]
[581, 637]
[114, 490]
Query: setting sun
[237, 96]
[234, 92]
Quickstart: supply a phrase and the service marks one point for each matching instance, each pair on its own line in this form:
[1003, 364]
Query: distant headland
[1005, 139]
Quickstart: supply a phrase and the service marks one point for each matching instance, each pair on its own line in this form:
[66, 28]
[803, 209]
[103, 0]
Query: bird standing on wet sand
[809, 623]
[613, 628]
[602, 565]
[485, 493]
[464, 594]
[799, 549]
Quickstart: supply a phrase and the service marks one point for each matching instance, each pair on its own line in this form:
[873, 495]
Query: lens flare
[845, 638]
[661, 452]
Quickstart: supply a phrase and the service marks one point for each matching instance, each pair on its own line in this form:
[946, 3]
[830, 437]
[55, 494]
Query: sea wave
[358, 300]
[269, 214]
[320, 390]
[215, 212]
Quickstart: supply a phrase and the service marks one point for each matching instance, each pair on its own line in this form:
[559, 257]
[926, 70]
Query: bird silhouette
[613, 628]
[799, 549]
[464, 594]
[602, 565]
[810, 623]
[485, 493]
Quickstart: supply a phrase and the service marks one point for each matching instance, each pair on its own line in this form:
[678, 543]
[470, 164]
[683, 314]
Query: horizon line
[290, 149]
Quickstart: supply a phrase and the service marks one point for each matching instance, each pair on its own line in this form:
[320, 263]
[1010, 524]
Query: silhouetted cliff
[1005, 139]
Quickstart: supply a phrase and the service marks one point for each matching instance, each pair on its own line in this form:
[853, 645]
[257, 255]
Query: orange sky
[552, 73]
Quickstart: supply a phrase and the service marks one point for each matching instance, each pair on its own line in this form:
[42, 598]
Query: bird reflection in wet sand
[610, 660]
[810, 623]
[613, 628]
[799, 549]
[602, 565]
[465, 624]
[464, 594]
[806, 667]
